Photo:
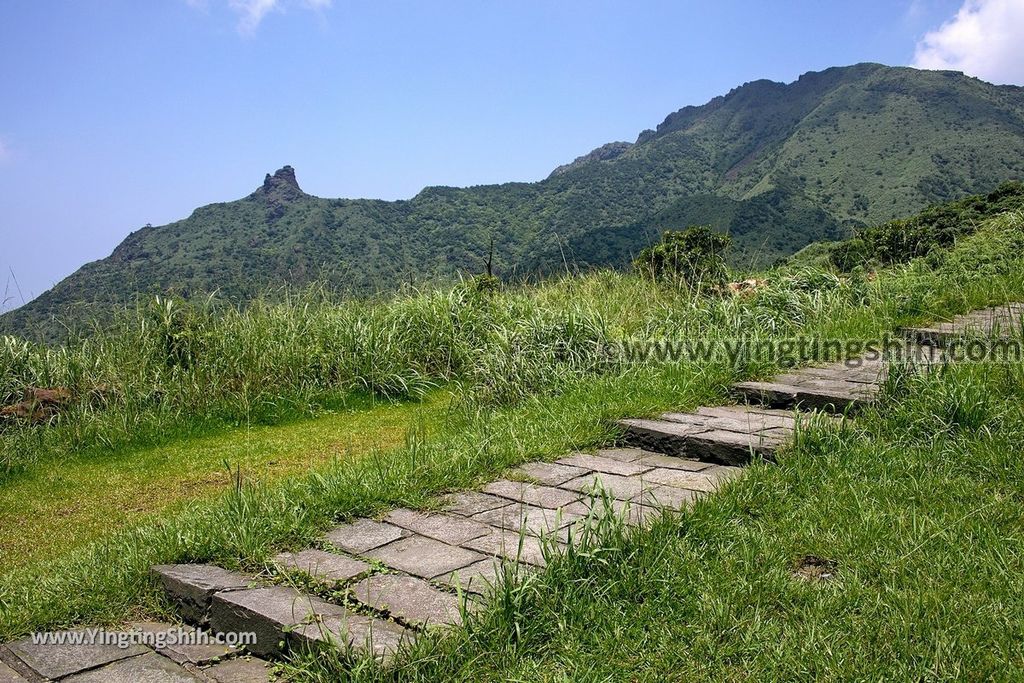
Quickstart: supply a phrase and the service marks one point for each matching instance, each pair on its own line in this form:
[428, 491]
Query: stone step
[284, 619]
[281, 617]
[836, 398]
[835, 388]
[732, 435]
[999, 321]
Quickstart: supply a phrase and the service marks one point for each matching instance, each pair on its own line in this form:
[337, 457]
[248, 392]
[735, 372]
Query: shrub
[692, 257]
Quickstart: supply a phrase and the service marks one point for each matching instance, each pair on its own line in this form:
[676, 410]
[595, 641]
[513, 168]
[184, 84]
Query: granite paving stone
[652, 461]
[424, 557]
[410, 600]
[9, 675]
[363, 535]
[148, 668]
[722, 473]
[192, 585]
[682, 479]
[536, 521]
[270, 613]
[182, 652]
[791, 395]
[323, 566]
[449, 529]
[623, 454]
[531, 494]
[596, 463]
[63, 659]
[479, 578]
[548, 473]
[379, 637]
[618, 487]
[240, 670]
[510, 545]
[469, 503]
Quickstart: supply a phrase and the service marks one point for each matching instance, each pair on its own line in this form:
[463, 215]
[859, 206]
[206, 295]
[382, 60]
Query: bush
[934, 229]
[692, 257]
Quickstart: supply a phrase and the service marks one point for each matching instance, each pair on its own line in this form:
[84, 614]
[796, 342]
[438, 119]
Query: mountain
[777, 165]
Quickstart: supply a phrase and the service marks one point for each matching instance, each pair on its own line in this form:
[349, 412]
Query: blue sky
[120, 113]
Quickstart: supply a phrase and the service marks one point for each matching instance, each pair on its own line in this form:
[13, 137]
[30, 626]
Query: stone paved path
[414, 570]
[1000, 321]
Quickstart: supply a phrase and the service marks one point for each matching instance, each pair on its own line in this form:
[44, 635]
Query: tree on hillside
[694, 257]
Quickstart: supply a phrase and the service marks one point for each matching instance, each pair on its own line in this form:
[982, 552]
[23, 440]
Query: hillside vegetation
[532, 378]
[172, 367]
[778, 166]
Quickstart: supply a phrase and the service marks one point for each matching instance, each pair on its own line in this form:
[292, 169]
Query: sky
[119, 113]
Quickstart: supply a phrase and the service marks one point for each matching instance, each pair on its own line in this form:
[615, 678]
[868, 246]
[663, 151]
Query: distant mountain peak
[282, 184]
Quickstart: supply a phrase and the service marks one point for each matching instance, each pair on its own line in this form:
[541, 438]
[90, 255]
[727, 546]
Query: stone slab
[450, 529]
[148, 668]
[182, 652]
[325, 567]
[58, 660]
[468, 503]
[663, 461]
[424, 557]
[534, 520]
[531, 494]
[363, 535]
[271, 613]
[792, 396]
[192, 585]
[240, 670]
[548, 473]
[732, 448]
[670, 498]
[682, 479]
[596, 463]
[623, 454]
[660, 436]
[479, 578]
[618, 487]
[409, 600]
[722, 473]
[377, 637]
[510, 545]
[9, 675]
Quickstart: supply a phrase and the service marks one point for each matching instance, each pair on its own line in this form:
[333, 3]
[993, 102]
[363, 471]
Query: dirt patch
[814, 568]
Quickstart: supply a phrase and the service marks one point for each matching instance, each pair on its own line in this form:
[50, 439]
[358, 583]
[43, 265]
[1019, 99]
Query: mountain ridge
[778, 165]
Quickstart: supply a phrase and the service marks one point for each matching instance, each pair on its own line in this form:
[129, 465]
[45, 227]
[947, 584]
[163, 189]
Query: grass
[46, 512]
[918, 503]
[529, 385]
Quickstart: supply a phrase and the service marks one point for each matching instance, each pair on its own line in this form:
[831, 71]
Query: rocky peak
[282, 185]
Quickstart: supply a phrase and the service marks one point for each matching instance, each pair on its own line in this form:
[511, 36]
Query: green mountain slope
[777, 165]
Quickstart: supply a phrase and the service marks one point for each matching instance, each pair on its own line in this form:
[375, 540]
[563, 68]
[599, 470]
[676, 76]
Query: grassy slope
[547, 404]
[918, 503]
[48, 512]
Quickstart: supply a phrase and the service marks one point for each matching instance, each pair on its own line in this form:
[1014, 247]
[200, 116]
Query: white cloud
[984, 39]
[252, 12]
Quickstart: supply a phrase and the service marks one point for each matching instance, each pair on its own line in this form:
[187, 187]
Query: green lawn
[49, 511]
